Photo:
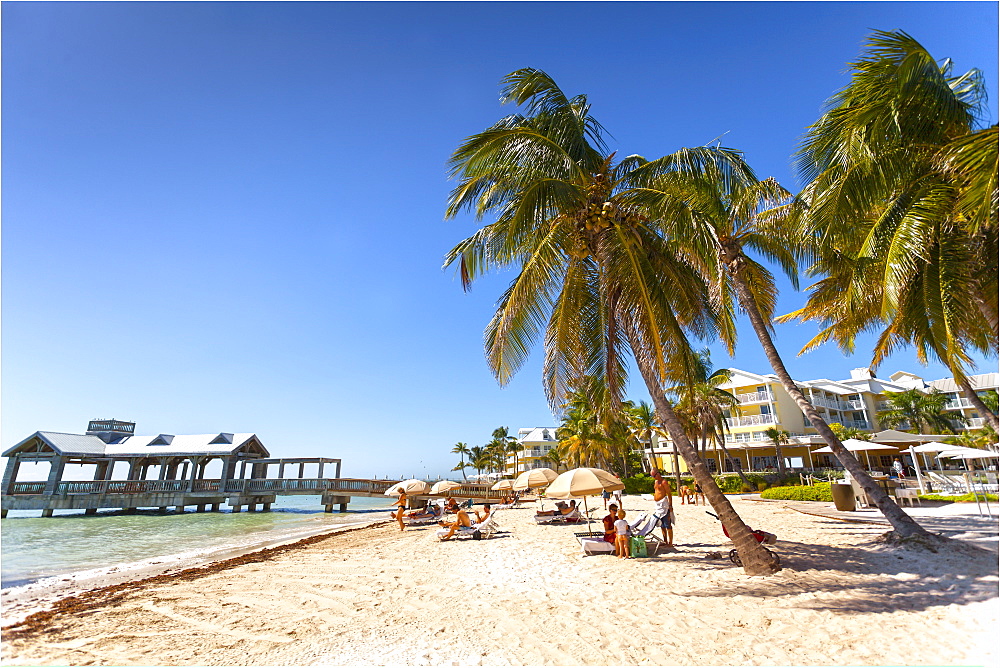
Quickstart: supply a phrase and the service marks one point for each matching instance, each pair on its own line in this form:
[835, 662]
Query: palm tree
[501, 444]
[557, 457]
[918, 411]
[644, 425]
[479, 458]
[594, 271]
[903, 211]
[717, 217]
[778, 438]
[461, 449]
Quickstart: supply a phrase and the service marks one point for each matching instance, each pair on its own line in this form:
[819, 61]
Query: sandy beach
[528, 597]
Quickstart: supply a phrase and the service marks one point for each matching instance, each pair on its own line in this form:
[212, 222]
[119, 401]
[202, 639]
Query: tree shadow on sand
[866, 578]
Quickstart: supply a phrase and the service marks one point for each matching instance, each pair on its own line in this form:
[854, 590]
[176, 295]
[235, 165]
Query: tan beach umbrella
[412, 486]
[442, 486]
[503, 484]
[534, 478]
[583, 482]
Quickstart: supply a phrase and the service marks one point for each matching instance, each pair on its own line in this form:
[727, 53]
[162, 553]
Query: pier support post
[251, 507]
[237, 508]
[129, 511]
[179, 509]
[266, 507]
[3, 514]
[47, 512]
[328, 508]
[163, 509]
[215, 507]
[200, 508]
[90, 511]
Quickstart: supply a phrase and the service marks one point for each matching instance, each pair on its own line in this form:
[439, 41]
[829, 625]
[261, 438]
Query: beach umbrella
[503, 484]
[933, 446]
[412, 486]
[857, 445]
[583, 482]
[895, 436]
[970, 453]
[534, 478]
[442, 486]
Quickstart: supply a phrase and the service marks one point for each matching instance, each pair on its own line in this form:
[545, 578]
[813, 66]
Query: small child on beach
[621, 536]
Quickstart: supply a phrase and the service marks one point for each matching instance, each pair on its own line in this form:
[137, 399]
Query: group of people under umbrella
[576, 483]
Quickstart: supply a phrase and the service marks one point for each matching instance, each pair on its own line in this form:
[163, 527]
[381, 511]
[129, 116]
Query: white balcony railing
[958, 404]
[748, 420]
[857, 424]
[974, 423]
[855, 404]
[754, 397]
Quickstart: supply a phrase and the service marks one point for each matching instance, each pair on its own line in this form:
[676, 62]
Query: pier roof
[156, 445]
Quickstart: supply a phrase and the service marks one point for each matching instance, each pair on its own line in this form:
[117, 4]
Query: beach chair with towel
[573, 517]
[484, 529]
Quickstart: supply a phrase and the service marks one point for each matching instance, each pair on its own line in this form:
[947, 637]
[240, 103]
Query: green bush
[965, 498]
[818, 492]
[638, 484]
[731, 483]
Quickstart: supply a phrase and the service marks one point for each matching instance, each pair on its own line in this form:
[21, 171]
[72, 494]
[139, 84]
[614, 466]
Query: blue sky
[229, 217]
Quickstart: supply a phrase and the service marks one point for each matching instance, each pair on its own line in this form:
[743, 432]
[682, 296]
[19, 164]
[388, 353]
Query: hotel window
[765, 410]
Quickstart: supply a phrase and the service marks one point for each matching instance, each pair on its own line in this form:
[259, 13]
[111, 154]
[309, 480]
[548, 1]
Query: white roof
[150, 446]
[536, 434]
[983, 381]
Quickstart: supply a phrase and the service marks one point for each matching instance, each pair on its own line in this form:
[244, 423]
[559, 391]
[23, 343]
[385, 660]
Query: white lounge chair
[645, 525]
[485, 529]
[573, 517]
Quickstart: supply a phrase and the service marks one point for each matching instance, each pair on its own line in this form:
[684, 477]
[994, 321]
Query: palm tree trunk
[971, 395]
[781, 460]
[757, 560]
[902, 524]
[739, 467]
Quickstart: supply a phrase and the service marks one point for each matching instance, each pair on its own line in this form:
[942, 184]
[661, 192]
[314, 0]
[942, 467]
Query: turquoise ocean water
[34, 548]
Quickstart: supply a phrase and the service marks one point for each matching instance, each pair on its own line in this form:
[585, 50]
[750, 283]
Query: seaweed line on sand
[39, 621]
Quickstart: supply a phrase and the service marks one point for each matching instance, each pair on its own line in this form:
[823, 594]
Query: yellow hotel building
[854, 402]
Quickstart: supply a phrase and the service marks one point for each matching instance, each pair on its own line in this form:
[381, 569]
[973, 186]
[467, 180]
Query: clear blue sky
[229, 217]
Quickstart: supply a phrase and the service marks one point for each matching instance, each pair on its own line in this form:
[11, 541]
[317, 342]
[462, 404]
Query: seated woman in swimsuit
[450, 505]
[564, 510]
[609, 524]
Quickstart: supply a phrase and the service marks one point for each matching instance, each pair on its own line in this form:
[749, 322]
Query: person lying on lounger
[461, 521]
[566, 510]
[428, 512]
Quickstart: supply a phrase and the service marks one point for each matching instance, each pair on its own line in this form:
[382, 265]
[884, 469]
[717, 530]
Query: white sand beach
[528, 597]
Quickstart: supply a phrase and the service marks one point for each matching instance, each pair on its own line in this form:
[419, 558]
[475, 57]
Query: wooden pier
[244, 481]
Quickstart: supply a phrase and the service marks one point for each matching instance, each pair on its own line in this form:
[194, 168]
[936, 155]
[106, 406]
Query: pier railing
[344, 486]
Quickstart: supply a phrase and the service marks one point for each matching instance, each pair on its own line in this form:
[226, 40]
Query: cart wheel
[735, 557]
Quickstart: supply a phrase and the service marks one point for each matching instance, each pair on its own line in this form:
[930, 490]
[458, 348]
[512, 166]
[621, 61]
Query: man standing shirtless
[663, 497]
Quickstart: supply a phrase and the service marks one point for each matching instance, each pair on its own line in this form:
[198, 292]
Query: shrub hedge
[818, 492]
[964, 498]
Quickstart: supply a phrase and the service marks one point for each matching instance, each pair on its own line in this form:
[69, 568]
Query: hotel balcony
[856, 424]
[849, 405]
[958, 404]
[755, 397]
[750, 420]
[970, 423]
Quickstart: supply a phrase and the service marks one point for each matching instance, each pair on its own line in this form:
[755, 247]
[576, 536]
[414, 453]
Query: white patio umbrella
[583, 482]
[971, 453]
[411, 486]
[857, 445]
[442, 486]
[925, 448]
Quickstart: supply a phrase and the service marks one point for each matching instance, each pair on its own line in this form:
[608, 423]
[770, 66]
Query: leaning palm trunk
[979, 405]
[738, 465]
[902, 524]
[757, 560]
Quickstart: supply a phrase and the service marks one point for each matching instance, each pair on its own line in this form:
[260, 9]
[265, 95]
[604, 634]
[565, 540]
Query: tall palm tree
[479, 458]
[718, 218]
[778, 438]
[501, 443]
[903, 215]
[644, 425]
[595, 272]
[461, 449]
[918, 411]
[557, 457]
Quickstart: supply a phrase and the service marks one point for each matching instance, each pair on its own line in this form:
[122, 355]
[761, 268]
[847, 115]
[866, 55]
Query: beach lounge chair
[946, 484]
[573, 517]
[645, 525]
[485, 529]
